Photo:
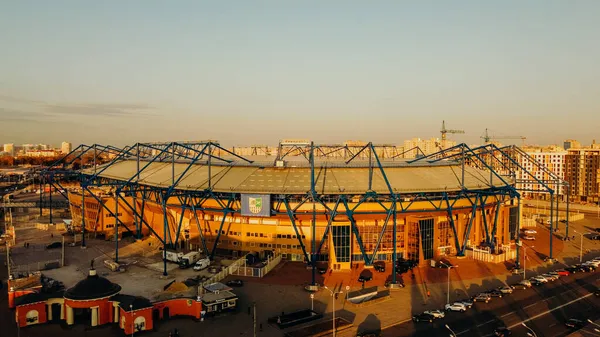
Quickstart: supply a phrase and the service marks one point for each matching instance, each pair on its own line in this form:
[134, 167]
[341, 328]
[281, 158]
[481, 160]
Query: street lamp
[580, 246]
[448, 293]
[531, 333]
[452, 332]
[525, 260]
[333, 293]
[590, 321]
[312, 302]
[132, 316]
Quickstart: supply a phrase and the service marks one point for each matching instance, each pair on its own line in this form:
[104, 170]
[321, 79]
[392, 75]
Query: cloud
[69, 109]
[15, 115]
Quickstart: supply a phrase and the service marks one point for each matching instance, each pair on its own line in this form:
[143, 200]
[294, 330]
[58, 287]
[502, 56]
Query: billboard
[256, 205]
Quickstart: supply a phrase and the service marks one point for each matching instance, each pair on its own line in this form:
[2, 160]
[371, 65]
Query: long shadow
[371, 325]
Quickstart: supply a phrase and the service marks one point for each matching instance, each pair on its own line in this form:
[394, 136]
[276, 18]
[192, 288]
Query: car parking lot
[555, 303]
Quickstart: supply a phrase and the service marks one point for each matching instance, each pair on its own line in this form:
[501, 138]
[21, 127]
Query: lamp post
[448, 292]
[312, 302]
[132, 319]
[525, 260]
[333, 301]
[531, 333]
[580, 245]
[592, 322]
[452, 332]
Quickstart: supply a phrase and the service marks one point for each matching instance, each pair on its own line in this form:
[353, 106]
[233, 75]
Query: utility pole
[254, 317]
[63, 252]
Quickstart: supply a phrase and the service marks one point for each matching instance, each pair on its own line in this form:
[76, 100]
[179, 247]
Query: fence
[258, 272]
[230, 270]
[26, 269]
[507, 253]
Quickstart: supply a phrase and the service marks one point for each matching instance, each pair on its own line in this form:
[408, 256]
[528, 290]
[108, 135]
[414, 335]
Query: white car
[530, 231]
[506, 290]
[540, 278]
[529, 238]
[593, 263]
[456, 307]
[436, 313]
[550, 277]
[526, 283]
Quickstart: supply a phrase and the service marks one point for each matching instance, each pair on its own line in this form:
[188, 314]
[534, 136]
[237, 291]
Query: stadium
[308, 203]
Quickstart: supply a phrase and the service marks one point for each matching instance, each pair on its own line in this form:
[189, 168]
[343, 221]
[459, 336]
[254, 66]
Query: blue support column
[202, 239]
[225, 212]
[350, 215]
[484, 218]
[164, 207]
[117, 225]
[41, 193]
[394, 244]
[135, 216]
[567, 216]
[551, 222]
[293, 221]
[83, 188]
[50, 196]
[517, 231]
[452, 224]
[469, 226]
[142, 214]
[495, 226]
[314, 245]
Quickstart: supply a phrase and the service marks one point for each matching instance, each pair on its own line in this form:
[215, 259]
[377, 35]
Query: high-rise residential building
[571, 144]
[10, 149]
[582, 172]
[553, 160]
[66, 147]
[428, 146]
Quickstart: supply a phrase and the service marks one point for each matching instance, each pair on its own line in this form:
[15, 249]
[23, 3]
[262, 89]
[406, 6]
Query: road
[544, 309]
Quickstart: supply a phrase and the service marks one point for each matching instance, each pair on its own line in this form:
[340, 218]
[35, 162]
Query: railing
[230, 270]
[258, 272]
[485, 255]
[26, 269]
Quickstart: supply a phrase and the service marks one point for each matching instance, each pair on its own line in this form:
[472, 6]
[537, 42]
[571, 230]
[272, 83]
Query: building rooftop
[331, 176]
[92, 287]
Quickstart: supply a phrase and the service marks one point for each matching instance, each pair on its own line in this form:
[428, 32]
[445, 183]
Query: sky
[254, 72]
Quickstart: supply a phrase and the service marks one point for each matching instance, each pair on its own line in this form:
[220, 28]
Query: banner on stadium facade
[256, 205]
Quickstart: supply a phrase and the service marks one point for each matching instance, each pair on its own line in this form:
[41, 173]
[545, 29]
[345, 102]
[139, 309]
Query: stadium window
[235, 243]
[247, 234]
[261, 235]
[303, 237]
[223, 232]
[256, 234]
[294, 237]
[289, 236]
[216, 231]
[279, 236]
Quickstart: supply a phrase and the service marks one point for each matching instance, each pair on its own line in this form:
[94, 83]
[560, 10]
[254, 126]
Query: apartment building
[553, 159]
[428, 146]
[582, 172]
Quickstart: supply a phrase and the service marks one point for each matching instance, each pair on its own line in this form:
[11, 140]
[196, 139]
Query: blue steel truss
[498, 162]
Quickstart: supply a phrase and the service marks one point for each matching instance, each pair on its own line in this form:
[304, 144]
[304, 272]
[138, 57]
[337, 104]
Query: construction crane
[444, 131]
[487, 138]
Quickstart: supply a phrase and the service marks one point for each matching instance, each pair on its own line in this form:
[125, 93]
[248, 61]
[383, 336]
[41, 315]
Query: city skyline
[118, 74]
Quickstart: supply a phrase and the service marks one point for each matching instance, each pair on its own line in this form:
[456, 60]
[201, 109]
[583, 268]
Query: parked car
[585, 268]
[365, 278]
[519, 286]
[539, 278]
[537, 283]
[574, 323]
[379, 266]
[495, 293]
[592, 263]
[529, 238]
[321, 270]
[483, 297]
[235, 283]
[506, 290]
[526, 283]
[54, 245]
[456, 306]
[530, 231]
[595, 237]
[502, 331]
[423, 318]
[467, 302]
[563, 272]
[573, 269]
[597, 293]
[436, 313]
[550, 277]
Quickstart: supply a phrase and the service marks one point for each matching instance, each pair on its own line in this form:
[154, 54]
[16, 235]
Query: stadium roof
[332, 177]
